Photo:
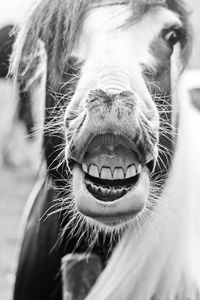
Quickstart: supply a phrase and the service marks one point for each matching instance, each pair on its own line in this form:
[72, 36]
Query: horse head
[111, 63]
[111, 123]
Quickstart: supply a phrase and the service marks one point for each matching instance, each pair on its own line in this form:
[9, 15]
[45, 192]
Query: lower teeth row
[106, 191]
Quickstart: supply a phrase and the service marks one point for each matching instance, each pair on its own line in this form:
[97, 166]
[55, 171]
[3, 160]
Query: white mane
[162, 261]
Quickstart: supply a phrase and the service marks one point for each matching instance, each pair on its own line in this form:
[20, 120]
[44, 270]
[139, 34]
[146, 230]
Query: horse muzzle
[114, 151]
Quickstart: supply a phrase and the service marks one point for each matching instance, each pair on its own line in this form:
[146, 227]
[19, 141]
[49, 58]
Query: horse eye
[172, 36]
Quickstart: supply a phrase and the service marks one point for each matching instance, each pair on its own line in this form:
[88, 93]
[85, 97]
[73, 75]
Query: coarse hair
[58, 23]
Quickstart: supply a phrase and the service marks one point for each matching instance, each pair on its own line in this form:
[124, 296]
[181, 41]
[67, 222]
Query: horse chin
[110, 213]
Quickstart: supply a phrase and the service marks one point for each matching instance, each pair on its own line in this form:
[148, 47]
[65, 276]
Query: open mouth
[111, 167]
[110, 184]
[109, 190]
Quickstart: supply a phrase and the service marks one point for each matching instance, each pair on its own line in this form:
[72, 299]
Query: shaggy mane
[58, 22]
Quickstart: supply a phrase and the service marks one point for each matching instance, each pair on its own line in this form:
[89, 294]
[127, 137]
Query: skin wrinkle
[119, 82]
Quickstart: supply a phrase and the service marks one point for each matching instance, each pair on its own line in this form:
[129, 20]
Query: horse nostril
[97, 93]
[127, 94]
[101, 97]
[126, 99]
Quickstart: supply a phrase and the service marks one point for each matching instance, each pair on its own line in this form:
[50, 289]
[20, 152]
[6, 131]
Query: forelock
[58, 22]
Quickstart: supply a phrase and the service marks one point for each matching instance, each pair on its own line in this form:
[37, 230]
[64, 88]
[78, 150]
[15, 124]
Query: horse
[115, 143]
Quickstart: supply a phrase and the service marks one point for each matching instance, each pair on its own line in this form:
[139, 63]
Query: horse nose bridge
[114, 79]
[98, 99]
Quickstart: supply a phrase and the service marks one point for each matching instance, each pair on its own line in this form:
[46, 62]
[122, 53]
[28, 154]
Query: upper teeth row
[106, 172]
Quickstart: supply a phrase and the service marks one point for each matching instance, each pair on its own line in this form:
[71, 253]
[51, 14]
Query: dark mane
[57, 23]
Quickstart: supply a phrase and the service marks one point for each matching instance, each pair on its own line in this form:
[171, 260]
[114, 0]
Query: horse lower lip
[129, 205]
[114, 221]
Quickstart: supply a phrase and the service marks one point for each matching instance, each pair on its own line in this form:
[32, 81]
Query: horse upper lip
[78, 154]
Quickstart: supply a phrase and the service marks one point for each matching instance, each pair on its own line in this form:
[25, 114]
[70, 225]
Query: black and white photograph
[100, 150]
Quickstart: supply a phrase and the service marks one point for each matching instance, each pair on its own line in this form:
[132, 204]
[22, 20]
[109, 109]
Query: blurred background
[17, 162]
[17, 159]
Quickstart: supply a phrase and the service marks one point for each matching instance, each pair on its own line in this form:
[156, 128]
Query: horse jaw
[111, 213]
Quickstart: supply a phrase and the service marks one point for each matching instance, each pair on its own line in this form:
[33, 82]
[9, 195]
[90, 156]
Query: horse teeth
[131, 171]
[107, 192]
[121, 190]
[104, 191]
[115, 192]
[139, 169]
[95, 189]
[118, 174]
[106, 173]
[93, 171]
[84, 167]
